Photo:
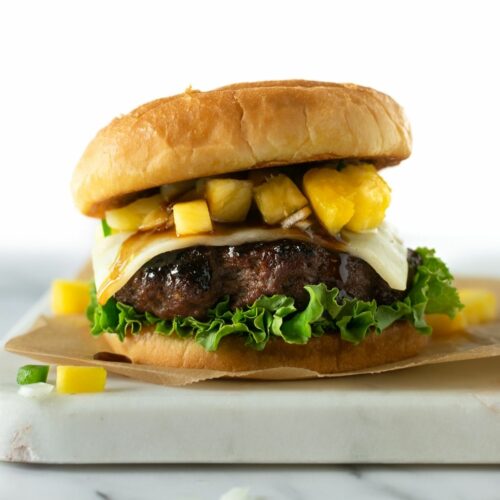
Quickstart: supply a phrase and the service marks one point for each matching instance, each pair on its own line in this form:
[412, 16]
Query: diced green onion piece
[106, 230]
[31, 374]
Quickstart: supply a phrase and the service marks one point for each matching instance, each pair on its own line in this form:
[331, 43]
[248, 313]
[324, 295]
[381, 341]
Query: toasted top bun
[238, 127]
[326, 354]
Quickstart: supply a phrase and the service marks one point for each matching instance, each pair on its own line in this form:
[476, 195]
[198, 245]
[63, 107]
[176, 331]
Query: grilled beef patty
[191, 281]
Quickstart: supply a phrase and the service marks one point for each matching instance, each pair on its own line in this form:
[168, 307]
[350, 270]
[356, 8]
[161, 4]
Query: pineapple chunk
[130, 217]
[479, 307]
[444, 325]
[329, 192]
[355, 197]
[192, 217]
[76, 379]
[277, 198]
[229, 200]
[69, 297]
[160, 217]
[371, 196]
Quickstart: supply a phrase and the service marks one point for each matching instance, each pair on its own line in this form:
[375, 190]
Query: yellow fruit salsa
[351, 196]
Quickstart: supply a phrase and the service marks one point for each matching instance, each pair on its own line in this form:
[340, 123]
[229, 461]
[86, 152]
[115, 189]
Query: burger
[244, 228]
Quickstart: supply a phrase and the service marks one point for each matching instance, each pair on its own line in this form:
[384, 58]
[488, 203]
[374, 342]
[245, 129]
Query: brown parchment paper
[67, 340]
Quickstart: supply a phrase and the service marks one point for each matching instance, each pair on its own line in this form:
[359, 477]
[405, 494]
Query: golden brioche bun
[326, 354]
[238, 127]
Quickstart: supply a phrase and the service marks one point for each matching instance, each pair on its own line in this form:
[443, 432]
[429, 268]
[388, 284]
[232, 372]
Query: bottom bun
[326, 354]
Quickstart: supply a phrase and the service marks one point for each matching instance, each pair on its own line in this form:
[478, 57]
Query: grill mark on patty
[189, 282]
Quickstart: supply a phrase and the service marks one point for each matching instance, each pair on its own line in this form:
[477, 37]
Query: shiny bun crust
[326, 354]
[238, 127]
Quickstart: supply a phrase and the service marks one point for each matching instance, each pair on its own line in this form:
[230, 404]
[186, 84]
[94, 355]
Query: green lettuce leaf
[276, 316]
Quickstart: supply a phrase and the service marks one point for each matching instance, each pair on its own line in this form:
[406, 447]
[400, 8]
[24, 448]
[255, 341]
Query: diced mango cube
[192, 217]
[130, 217]
[371, 196]
[69, 297]
[77, 379]
[329, 192]
[228, 200]
[480, 306]
[277, 198]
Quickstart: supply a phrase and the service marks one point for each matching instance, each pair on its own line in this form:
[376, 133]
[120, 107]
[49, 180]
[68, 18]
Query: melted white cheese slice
[380, 248]
[384, 251]
[104, 253]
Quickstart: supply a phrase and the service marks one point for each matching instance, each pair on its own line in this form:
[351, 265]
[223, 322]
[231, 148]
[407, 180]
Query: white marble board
[437, 414]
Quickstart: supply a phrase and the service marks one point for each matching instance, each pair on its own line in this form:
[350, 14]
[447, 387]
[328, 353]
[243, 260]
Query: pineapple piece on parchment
[480, 306]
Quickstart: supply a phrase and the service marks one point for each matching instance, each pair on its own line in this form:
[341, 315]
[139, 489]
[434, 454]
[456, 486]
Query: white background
[67, 68]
